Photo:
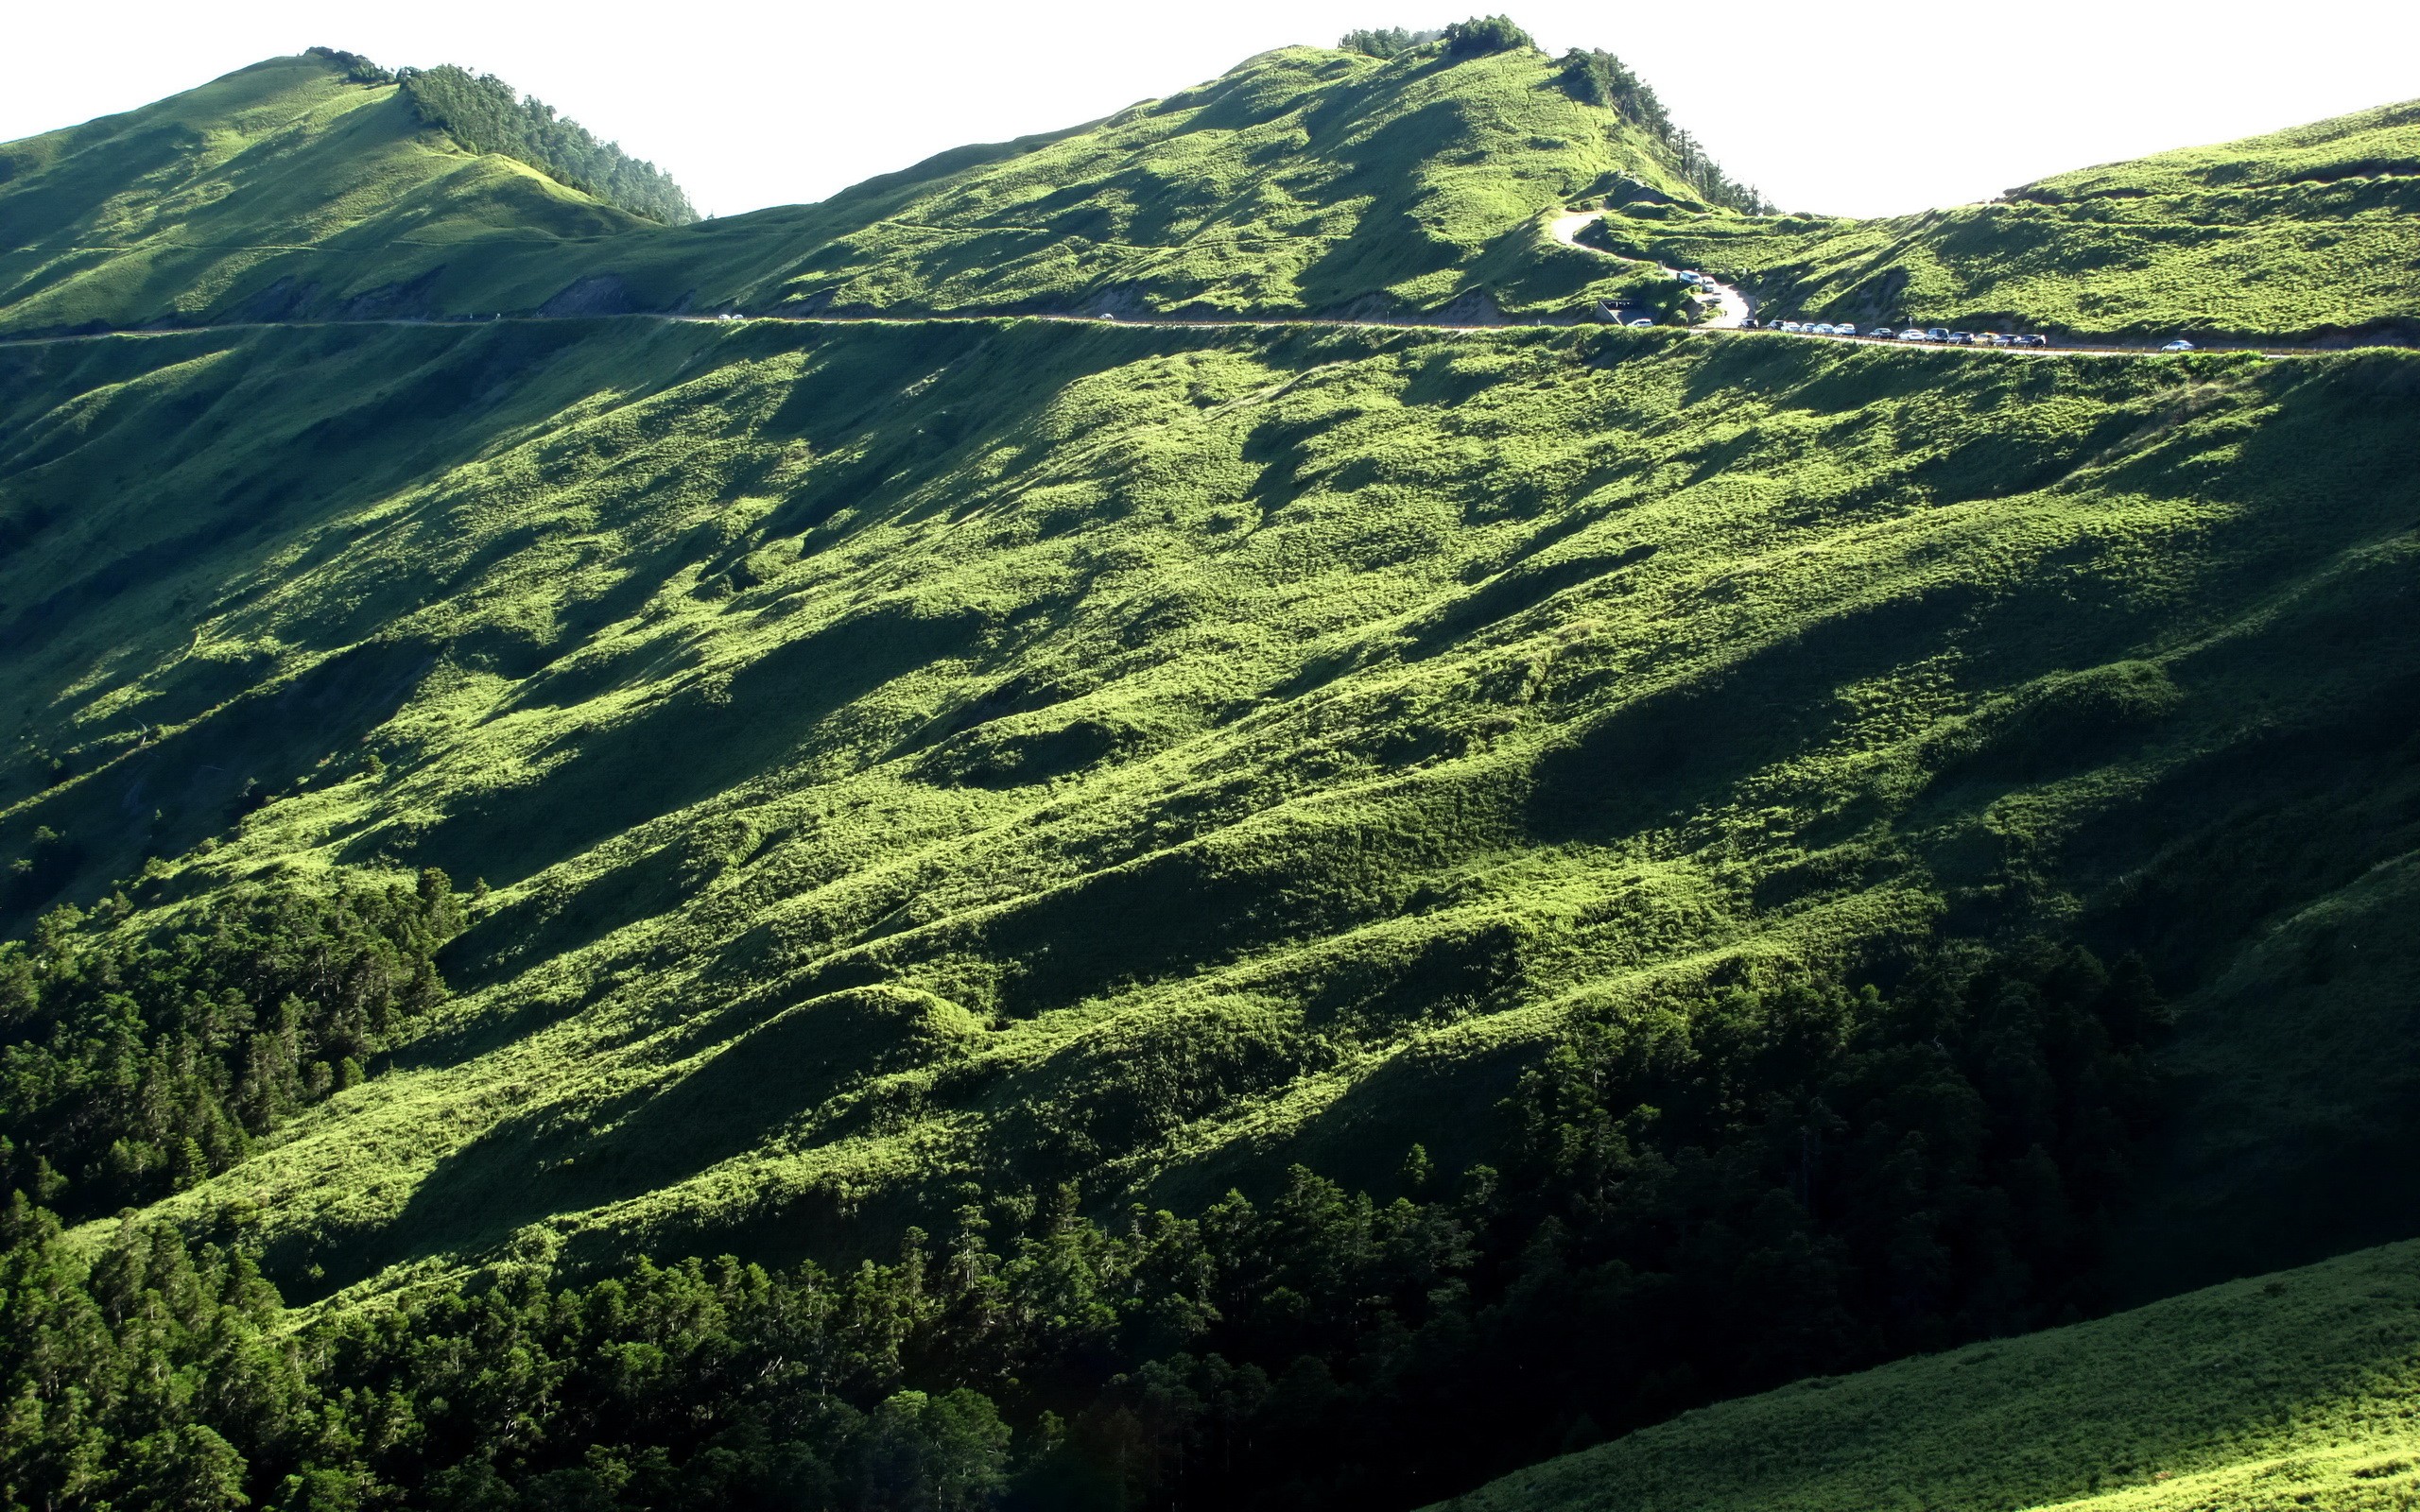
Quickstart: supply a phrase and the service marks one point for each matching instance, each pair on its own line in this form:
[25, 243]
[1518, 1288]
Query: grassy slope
[2306, 234]
[278, 188]
[908, 754]
[2280, 1395]
[1303, 180]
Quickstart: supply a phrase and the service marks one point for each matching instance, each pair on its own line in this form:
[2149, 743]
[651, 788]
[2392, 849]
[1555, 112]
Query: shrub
[1390, 42]
[1481, 35]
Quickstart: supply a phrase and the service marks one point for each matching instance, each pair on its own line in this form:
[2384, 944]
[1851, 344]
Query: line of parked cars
[1939, 334]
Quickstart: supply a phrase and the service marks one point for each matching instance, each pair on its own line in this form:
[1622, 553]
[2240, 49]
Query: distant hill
[289, 187]
[2310, 234]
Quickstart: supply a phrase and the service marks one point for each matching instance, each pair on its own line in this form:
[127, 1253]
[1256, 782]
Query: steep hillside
[2308, 234]
[1295, 727]
[2291, 1391]
[282, 188]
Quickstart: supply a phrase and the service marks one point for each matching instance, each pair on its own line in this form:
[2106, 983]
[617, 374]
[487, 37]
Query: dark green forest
[483, 114]
[1731, 1193]
[1595, 77]
[132, 1067]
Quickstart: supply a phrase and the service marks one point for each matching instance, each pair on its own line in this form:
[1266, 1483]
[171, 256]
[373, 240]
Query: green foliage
[1601, 78]
[481, 112]
[357, 69]
[133, 1065]
[1481, 35]
[1387, 41]
[1327, 1347]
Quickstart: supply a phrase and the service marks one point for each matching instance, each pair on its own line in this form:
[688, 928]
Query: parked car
[1642, 322]
[2178, 345]
[2033, 341]
[1821, 328]
[1993, 339]
[1883, 332]
[1792, 325]
[1912, 333]
[1937, 333]
[1843, 329]
[1961, 339]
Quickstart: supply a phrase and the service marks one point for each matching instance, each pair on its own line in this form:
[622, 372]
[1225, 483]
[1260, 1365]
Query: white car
[2178, 346]
[1792, 325]
[1912, 333]
[1642, 322]
[1843, 329]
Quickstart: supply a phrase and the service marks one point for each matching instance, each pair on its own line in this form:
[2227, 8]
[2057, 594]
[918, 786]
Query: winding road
[1731, 306]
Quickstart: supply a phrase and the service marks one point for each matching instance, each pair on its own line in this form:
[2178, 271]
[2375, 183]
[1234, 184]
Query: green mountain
[1281, 912]
[284, 188]
[2308, 234]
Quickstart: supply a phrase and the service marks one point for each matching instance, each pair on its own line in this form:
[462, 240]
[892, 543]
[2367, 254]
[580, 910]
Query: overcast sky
[1857, 107]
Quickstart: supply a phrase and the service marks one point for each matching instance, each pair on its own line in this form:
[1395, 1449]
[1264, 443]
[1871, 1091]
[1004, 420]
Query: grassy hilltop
[1656, 864]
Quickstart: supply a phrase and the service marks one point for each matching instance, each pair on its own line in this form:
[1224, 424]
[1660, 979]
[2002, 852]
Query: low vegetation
[2287, 1391]
[2308, 234]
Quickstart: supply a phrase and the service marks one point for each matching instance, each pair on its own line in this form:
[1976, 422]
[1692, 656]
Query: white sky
[1854, 106]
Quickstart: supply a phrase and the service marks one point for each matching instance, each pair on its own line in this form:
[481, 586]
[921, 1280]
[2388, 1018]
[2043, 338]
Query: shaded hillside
[999, 751]
[2306, 234]
[2289, 1391]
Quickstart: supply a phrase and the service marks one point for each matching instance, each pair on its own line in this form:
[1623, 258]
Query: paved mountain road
[1216, 323]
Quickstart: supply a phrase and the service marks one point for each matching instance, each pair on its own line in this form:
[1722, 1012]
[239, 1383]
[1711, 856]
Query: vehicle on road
[1937, 333]
[1843, 329]
[1642, 322]
[2034, 341]
[1912, 333]
[1883, 332]
[1820, 329]
[2178, 345]
[1961, 339]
